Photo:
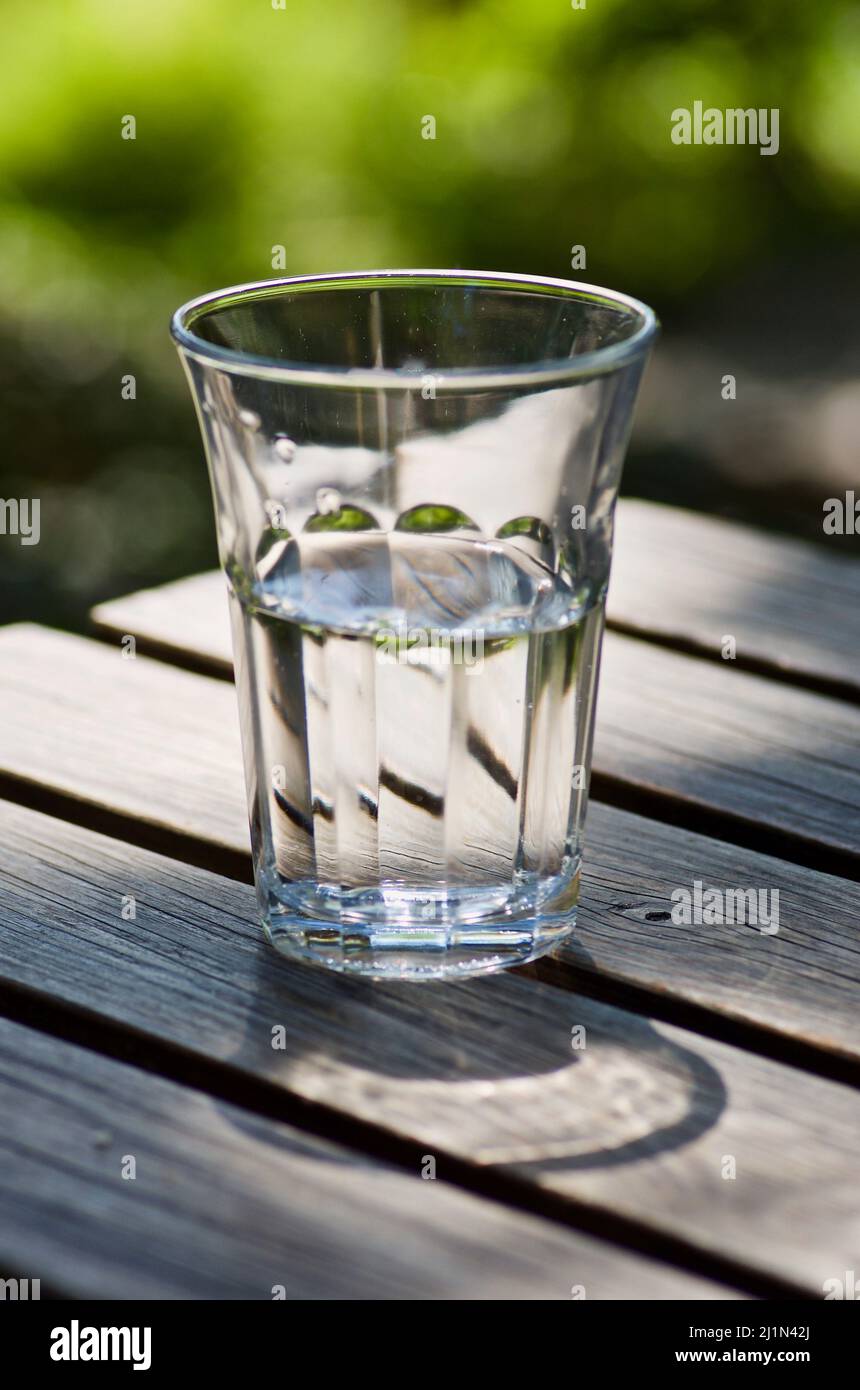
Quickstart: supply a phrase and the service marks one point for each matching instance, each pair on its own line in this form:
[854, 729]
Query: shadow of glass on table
[501, 1071]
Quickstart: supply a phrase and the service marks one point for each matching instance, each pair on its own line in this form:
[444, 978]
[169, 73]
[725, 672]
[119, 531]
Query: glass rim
[559, 369]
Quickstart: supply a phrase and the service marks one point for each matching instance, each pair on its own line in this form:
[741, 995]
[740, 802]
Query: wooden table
[277, 1120]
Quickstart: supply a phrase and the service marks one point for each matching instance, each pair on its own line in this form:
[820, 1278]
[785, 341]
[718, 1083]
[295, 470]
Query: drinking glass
[414, 477]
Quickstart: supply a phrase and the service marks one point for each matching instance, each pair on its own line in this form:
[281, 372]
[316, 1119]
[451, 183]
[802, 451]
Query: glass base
[419, 934]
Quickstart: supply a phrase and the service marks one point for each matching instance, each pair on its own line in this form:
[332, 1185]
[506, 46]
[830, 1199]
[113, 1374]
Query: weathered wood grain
[225, 1204]
[710, 737]
[639, 1125]
[133, 736]
[791, 607]
[719, 740]
[160, 747]
[189, 617]
[676, 575]
[801, 983]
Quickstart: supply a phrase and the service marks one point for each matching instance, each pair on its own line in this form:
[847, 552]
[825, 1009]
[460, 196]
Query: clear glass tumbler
[414, 475]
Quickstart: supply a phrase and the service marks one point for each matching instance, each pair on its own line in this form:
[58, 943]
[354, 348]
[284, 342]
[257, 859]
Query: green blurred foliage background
[301, 126]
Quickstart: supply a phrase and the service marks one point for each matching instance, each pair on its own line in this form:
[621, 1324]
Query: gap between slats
[755, 666]
[197, 953]
[670, 807]
[561, 974]
[202, 665]
[152, 827]
[220, 1081]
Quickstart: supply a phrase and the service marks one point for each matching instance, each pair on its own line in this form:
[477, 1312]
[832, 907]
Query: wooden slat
[160, 747]
[792, 607]
[801, 984]
[225, 1204]
[676, 575]
[718, 740]
[707, 737]
[637, 1126]
[189, 617]
[133, 736]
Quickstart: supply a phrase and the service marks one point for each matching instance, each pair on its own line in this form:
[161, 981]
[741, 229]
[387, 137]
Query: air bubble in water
[284, 448]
